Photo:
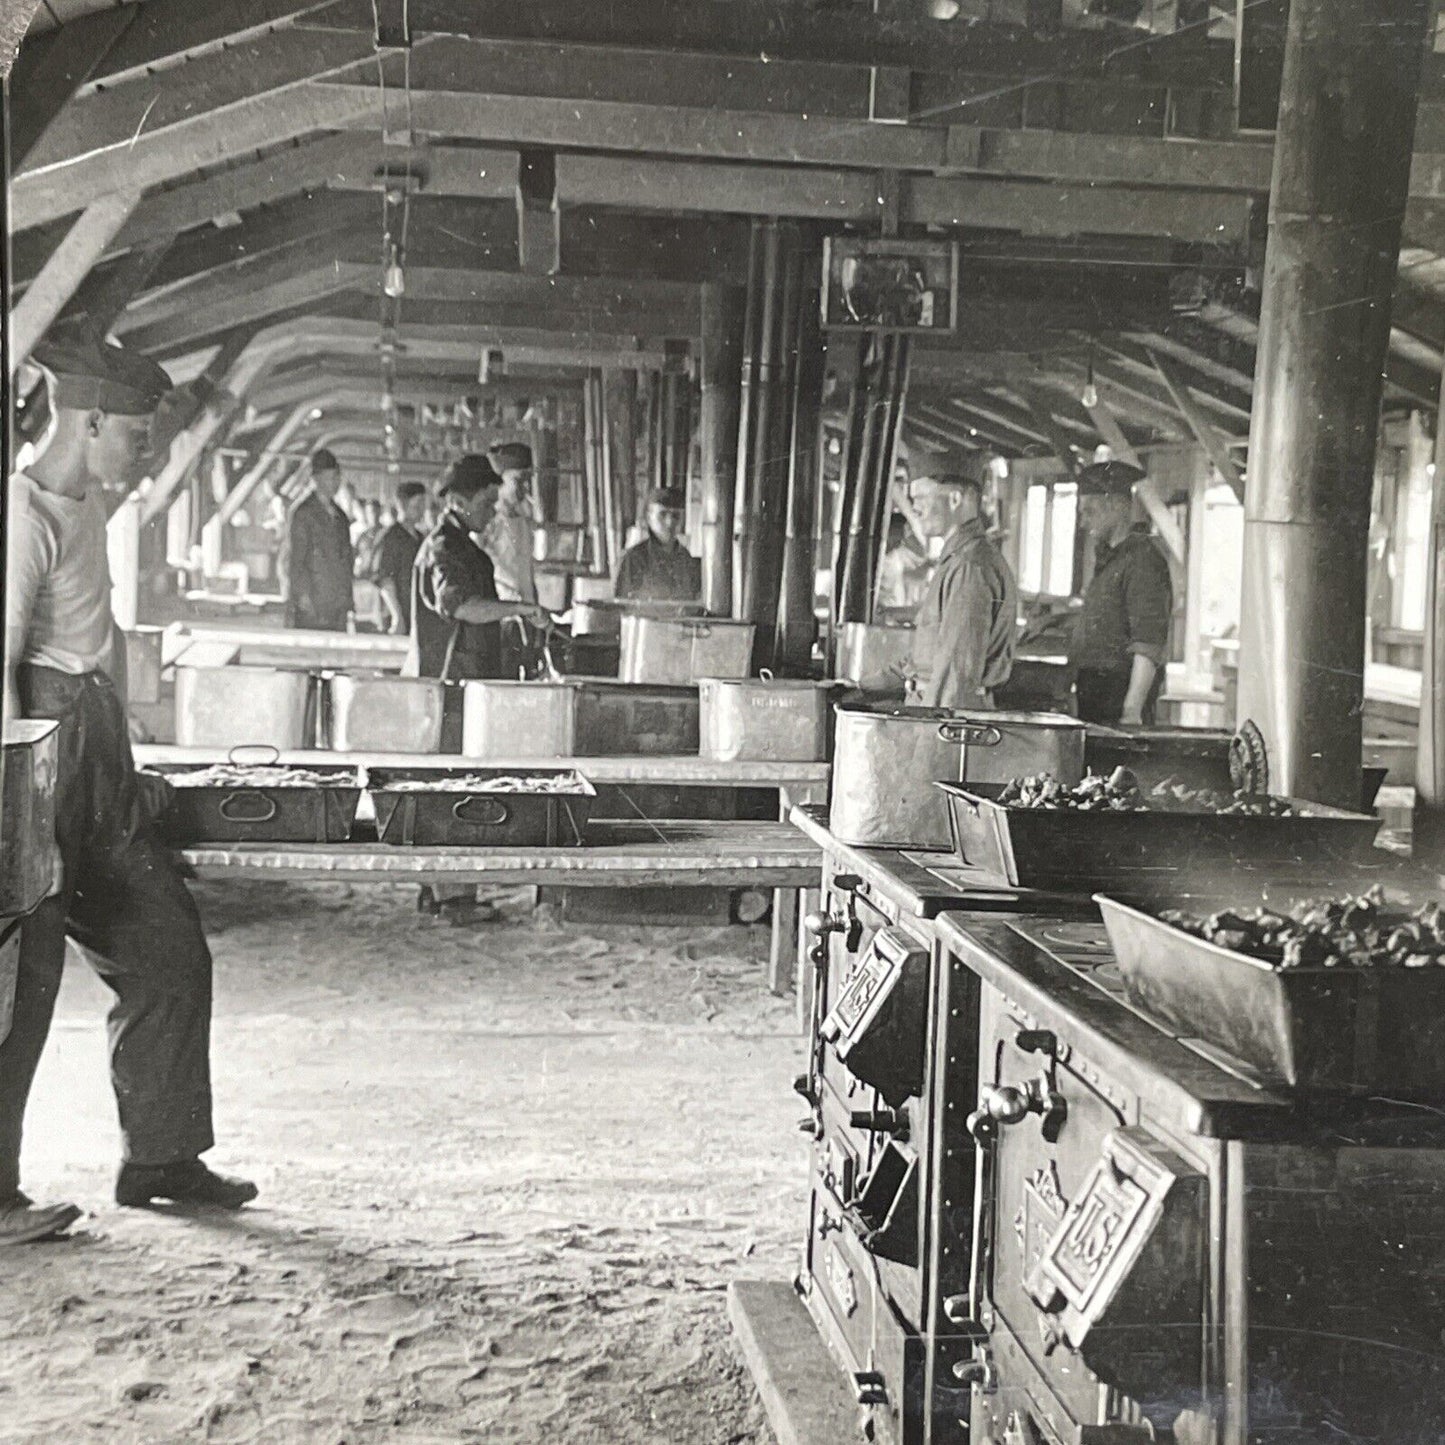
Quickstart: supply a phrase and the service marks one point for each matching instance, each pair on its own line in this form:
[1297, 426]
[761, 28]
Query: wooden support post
[722, 327]
[68, 266]
[1428, 823]
[1205, 432]
[1341, 174]
[620, 388]
[539, 218]
[796, 623]
[749, 595]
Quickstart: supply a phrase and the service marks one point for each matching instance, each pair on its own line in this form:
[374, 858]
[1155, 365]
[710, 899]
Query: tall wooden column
[1341, 171]
[722, 361]
[1429, 817]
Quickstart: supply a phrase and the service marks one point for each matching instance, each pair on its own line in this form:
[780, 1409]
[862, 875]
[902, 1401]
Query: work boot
[22, 1222]
[186, 1181]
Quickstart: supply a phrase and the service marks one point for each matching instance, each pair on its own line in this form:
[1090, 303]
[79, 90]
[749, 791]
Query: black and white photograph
[723, 722]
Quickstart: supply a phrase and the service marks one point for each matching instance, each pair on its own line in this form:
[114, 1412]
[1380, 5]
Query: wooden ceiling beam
[892, 36]
[1233, 415]
[106, 121]
[213, 138]
[49, 71]
[47, 295]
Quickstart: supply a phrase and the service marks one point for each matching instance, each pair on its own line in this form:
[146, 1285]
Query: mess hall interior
[724, 721]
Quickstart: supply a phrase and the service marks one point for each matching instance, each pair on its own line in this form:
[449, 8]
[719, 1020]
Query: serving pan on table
[481, 807]
[259, 803]
[1070, 850]
[1377, 1030]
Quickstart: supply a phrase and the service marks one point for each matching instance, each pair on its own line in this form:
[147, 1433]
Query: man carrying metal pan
[119, 895]
[1122, 632]
[964, 629]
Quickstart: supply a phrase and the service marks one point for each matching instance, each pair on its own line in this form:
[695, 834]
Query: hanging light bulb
[393, 282]
[1090, 394]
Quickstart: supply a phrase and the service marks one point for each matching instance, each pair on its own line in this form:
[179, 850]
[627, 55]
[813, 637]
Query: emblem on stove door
[1039, 1215]
[840, 1279]
[1107, 1228]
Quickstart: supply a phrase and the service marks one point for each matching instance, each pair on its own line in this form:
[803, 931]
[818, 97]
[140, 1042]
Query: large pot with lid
[887, 759]
[874, 657]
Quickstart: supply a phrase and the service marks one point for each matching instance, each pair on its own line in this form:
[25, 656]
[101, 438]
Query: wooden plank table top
[681, 854]
[686, 770]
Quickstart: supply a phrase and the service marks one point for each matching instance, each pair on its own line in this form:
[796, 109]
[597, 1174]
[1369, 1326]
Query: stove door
[1093, 1239]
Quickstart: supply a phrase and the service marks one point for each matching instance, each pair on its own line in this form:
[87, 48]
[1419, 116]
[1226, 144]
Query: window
[1046, 556]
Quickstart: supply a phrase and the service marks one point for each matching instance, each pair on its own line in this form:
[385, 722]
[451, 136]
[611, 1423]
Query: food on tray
[477, 783]
[1356, 932]
[1120, 793]
[233, 775]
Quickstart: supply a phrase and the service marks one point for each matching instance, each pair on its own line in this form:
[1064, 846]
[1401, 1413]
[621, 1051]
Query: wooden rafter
[1205, 432]
[49, 292]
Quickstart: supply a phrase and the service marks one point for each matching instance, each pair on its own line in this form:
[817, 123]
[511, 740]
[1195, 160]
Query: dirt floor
[506, 1173]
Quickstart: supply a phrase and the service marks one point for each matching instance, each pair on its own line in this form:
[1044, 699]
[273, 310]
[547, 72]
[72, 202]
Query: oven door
[1094, 1232]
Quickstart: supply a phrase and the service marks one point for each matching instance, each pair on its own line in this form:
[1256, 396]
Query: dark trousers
[127, 907]
[1101, 694]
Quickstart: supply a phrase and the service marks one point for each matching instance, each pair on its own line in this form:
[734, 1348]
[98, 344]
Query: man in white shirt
[511, 533]
[119, 894]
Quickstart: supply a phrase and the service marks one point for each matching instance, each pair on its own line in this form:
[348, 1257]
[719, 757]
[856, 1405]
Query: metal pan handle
[227, 808]
[970, 734]
[696, 629]
[497, 811]
[261, 755]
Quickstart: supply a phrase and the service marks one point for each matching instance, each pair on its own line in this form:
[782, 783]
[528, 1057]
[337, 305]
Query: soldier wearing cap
[659, 568]
[964, 628]
[1121, 635]
[317, 558]
[456, 620]
[118, 893]
[511, 533]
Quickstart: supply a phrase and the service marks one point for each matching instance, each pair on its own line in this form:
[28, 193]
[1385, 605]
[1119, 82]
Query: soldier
[1122, 631]
[317, 558]
[964, 628]
[119, 894]
[660, 568]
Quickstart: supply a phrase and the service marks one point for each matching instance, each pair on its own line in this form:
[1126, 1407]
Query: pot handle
[499, 811]
[261, 755]
[696, 629]
[969, 734]
[227, 808]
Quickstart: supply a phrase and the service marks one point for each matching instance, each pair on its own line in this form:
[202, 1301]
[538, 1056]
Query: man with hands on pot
[964, 628]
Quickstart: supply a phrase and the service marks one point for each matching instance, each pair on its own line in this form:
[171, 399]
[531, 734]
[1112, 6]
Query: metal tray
[1148, 851]
[451, 816]
[28, 851]
[1376, 1030]
[325, 813]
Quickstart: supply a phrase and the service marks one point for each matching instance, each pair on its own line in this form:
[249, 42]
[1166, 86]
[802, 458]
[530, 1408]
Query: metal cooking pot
[519, 720]
[874, 658]
[763, 719]
[239, 706]
[377, 712]
[684, 650]
[885, 763]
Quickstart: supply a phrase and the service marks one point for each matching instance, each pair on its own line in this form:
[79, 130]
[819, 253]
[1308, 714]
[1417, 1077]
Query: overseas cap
[466, 476]
[87, 373]
[670, 498]
[510, 456]
[1109, 479]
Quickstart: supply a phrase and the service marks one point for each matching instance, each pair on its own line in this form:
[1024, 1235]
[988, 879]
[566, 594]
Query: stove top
[1083, 948]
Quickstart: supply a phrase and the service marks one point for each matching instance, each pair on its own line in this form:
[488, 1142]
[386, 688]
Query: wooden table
[687, 854]
[796, 784]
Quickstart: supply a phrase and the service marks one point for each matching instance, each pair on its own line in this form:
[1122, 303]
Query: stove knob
[820, 924]
[1006, 1104]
